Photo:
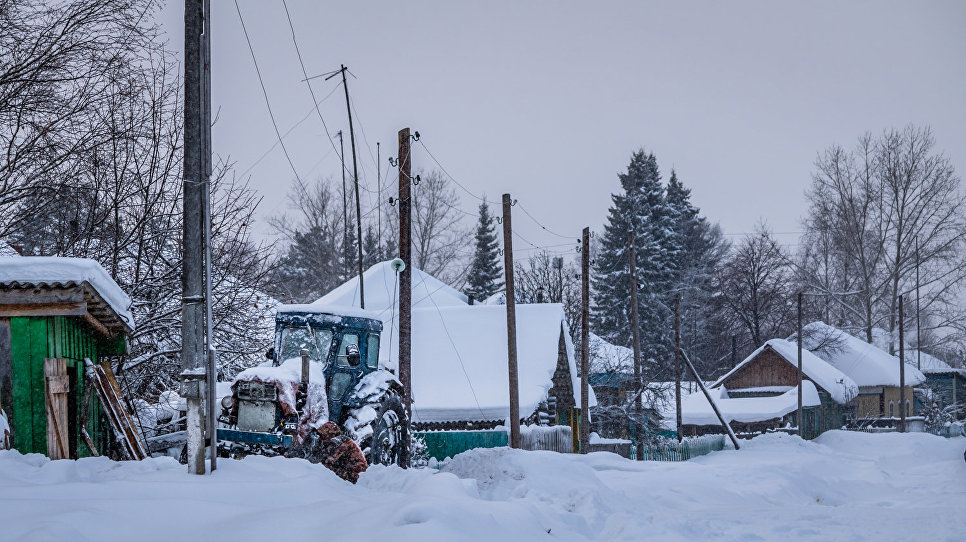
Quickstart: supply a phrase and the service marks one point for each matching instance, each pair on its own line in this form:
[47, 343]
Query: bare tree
[559, 282]
[756, 288]
[878, 214]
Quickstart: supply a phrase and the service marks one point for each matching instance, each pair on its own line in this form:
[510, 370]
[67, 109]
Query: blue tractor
[324, 366]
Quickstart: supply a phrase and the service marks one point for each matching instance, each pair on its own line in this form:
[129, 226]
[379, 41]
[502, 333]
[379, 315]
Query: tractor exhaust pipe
[305, 369]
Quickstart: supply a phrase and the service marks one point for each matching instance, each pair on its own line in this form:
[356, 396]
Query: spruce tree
[371, 249]
[485, 271]
[642, 212]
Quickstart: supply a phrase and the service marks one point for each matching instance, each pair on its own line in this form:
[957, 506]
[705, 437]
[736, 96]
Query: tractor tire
[390, 437]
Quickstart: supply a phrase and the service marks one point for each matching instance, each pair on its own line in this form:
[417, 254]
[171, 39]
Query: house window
[908, 408]
[892, 409]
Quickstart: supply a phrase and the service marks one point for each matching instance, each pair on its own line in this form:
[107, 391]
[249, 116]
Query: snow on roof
[382, 293]
[610, 356]
[930, 364]
[53, 269]
[695, 409]
[864, 362]
[7, 250]
[459, 360]
[318, 307]
[842, 388]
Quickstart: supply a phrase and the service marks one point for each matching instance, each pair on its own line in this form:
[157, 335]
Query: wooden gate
[56, 388]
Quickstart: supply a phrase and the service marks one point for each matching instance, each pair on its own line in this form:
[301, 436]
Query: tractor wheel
[389, 433]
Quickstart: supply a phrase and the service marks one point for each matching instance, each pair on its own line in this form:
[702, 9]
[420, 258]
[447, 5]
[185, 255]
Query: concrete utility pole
[584, 340]
[801, 426]
[196, 166]
[511, 325]
[636, 337]
[355, 176]
[405, 280]
[677, 364]
[211, 354]
[918, 321]
[902, 369]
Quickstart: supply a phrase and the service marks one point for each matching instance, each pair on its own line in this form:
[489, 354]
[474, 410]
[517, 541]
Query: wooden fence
[687, 449]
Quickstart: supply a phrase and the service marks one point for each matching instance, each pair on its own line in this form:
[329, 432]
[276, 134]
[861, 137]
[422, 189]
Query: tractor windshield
[294, 339]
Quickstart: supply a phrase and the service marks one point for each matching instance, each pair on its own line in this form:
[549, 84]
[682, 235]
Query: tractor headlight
[226, 402]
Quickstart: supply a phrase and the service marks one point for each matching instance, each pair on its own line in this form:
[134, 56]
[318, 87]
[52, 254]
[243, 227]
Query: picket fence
[687, 449]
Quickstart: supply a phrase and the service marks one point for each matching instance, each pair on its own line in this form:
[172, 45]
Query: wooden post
[714, 406]
[511, 325]
[584, 340]
[56, 387]
[405, 282]
[801, 426]
[677, 363]
[636, 338]
[355, 177]
[902, 369]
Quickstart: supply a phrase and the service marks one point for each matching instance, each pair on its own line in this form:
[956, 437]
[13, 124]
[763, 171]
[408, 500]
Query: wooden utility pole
[355, 177]
[801, 426]
[511, 325]
[405, 281]
[379, 200]
[918, 321]
[707, 395]
[902, 369]
[197, 160]
[636, 337]
[345, 206]
[584, 340]
[677, 364]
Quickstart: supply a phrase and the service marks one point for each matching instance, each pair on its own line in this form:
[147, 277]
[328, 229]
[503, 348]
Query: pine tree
[642, 212]
[701, 249]
[485, 271]
[371, 249]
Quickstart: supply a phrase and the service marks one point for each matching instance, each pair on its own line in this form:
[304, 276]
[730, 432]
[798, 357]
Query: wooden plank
[6, 368]
[55, 399]
[38, 352]
[39, 296]
[20, 377]
[105, 385]
[60, 309]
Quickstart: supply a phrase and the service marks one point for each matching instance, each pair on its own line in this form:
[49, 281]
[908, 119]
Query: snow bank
[839, 385]
[696, 410]
[51, 269]
[841, 486]
[865, 363]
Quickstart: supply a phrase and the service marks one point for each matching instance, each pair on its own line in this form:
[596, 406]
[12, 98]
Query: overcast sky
[547, 100]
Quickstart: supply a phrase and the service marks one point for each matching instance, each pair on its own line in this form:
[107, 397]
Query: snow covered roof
[323, 308]
[864, 362]
[27, 271]
[382, 294]
[459, 360]
[695, 409]
[610, 356]
[7, 250]
[839, 385]
[930, 364]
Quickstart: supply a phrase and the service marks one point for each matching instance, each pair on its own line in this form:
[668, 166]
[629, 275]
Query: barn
[761, 394]
[54, 314]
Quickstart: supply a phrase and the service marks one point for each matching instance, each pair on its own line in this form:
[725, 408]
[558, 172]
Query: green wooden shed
[56, 308]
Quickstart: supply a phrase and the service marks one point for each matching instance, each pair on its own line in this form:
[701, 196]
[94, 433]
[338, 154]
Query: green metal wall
[443, 444]
[32, 340]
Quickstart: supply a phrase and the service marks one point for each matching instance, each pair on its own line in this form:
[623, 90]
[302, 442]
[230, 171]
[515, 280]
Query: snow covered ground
[842, 486]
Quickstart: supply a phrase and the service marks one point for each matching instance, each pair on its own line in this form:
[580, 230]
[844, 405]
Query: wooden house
[946, 384]
[54, 314]
[875, 371]
[761, 394]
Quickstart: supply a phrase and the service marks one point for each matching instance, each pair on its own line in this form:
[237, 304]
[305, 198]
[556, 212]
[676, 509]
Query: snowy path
[843, 486]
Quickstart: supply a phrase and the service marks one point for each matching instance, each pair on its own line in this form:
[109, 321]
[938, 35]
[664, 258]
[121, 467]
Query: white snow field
[842, 486]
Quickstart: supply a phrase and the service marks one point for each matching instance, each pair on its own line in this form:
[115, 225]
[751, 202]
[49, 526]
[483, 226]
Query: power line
[548, 230]
[289, 131]
[467, 190]
[265, 92]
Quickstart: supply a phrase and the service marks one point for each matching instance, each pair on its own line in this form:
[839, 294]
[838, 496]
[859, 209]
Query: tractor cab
[345, 342]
